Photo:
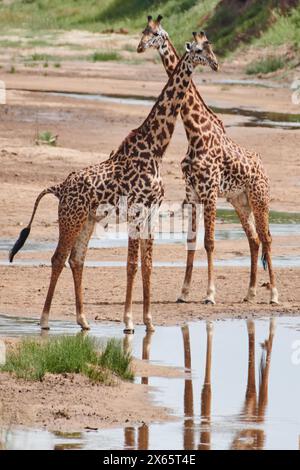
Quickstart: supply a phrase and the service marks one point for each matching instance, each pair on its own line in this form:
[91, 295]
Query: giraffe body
[215, 166]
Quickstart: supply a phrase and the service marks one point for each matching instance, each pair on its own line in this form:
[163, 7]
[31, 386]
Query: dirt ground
[70, 403]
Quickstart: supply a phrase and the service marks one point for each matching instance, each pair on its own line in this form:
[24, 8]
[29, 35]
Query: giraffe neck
[170, 59]
[154, 135]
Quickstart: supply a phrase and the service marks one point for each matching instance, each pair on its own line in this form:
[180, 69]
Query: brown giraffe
[133, 173]
[213, 167]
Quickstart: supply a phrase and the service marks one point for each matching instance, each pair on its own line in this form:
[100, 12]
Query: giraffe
[255, 403]
[132, 172]
[215, 166]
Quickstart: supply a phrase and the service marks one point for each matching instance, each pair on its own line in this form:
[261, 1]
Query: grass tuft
[116, 360]
[46, 137]
[32, 359]
[99, 56]
[266, 65]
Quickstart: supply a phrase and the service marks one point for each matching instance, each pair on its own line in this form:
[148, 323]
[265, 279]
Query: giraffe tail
[264, 261]
[26, 231]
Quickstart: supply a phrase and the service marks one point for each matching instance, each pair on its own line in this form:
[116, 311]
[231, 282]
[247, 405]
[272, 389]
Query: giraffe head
[200, 51]
[153, 35]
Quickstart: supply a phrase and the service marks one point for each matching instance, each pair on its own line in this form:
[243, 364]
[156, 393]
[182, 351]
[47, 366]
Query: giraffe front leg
[191, 248]
[146, 258]
[210, 210]
[132, 265]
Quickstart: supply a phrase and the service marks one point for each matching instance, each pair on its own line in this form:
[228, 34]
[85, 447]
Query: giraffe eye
[156, 34]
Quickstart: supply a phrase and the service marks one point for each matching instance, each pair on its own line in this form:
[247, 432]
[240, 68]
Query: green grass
[266, 65]
[285, 30]
[46, 137]
[32, 359]
[39, 57]
[228, 23]
[276, 217]
[99, 56]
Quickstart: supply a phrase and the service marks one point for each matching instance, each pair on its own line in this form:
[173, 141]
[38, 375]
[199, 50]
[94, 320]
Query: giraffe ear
[149, 18]
[159, 18]
[188, 47]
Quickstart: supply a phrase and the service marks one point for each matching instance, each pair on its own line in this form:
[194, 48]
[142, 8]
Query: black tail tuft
[19, 243]
[264, 261]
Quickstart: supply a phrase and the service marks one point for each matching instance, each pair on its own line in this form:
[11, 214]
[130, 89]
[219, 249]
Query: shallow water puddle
[256, 118]
[120, 239]
[242, 390]
[237, 261]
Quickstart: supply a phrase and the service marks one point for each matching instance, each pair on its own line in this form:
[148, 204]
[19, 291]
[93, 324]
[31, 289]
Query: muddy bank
[72, 403]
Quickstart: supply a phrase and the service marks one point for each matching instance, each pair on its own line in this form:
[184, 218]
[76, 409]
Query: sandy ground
[24, 291]
[70, 403]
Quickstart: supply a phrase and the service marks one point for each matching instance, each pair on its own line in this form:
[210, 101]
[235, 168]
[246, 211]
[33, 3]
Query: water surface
[241, 389]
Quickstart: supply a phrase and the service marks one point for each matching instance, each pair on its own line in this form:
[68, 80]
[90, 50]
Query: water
[120, 239]
[237, 261]
[248, 82]
[241, 389]
[256, 118]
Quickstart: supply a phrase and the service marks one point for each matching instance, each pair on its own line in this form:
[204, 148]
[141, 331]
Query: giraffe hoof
[209, 302]
[150, 328]
[180, 300]
[274, 302]
[85, 327]
[128, 331]
[45, 327]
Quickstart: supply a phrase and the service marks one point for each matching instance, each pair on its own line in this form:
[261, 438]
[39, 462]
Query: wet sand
[70, 403]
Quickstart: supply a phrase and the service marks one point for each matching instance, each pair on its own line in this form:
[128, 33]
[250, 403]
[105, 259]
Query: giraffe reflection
[205, 439]
[255, 407]
[188, 431]
[255, 403]
[143, 430]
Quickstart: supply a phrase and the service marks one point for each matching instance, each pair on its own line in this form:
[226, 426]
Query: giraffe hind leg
[191, 248]
[261, 214]
[76, 262]
[244, 211]
[64, 246]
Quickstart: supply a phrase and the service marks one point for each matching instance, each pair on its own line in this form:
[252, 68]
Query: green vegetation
[276, 217]
[46, 137]
[32, 359]
[104, 56]
[266, 65]
[228, 23]
[39, 57]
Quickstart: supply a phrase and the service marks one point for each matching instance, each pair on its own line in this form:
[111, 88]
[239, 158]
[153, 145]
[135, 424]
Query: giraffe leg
[146, 258]
[192, 243]
[261, 214]
[244, 211]
[76, 262]
[210, 210]
[132, 265]
[64, 246]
